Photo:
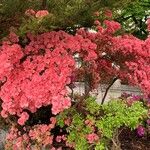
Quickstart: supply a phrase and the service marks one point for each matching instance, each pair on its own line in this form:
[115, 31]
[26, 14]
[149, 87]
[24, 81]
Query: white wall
[114, 92]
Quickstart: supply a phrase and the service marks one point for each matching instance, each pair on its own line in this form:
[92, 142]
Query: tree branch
[107, 89]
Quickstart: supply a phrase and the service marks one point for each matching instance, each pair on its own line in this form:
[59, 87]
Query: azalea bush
[143, 128]
[38, 71]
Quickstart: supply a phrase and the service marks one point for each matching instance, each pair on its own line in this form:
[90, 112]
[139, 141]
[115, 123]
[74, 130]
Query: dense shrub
[92, 126]
[37, 71]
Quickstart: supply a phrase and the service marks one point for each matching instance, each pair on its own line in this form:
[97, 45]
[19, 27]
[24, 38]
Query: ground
[131, 141]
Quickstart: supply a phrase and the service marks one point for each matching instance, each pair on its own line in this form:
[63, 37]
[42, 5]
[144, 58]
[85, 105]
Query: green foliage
[105, 119]
[92, 106]
[100, 146]
[133, 18]
[64, 13]
[12, 12]
[118, 114]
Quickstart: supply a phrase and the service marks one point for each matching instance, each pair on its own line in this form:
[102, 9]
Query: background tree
[69, 13]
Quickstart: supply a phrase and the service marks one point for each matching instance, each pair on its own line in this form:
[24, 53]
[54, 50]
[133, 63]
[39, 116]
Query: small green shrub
[99, 121]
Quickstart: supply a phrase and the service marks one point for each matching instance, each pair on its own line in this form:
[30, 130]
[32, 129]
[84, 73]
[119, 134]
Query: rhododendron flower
[89, 122]
[148, 24]
[41, 133]
[53, 120]
[140, 130]
[96, 13]
[148, 121]
[23, 118]
[97, 23]
[112, 26]
[13, 37]
[4, 114]
[24, 102]
[67, 121]
[58, 139]
[41, 13]
[108, 13]
[100, 28]
[30, 12]
[92, 138]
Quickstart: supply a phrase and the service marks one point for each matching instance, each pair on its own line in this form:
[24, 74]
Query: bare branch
[107, 89]
[44, 3]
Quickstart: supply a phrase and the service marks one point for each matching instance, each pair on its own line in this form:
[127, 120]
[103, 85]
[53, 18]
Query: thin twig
[44, 3]
[107, 89]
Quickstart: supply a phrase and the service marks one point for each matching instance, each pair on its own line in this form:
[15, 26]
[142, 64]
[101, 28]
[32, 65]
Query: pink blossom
[58, 139]
[92, 138]
[67, 121]
[30, 12]
[4, 114]
[13, 37]
[23, 118]
[140, 130]
[97, 23]
[41, 13]
[96, 14]
[108, 13]
[53, 120]
[148, 24]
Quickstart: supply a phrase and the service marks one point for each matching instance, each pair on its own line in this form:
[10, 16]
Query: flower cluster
[41, 134]
[15, 140]
[38, 135]
[38, 74]
[38, 14]
[92, 138]
[124, 56]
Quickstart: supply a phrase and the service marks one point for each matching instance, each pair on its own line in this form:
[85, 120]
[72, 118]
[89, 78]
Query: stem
[115, 144]
[87, 85]
[72, 91]
[44, 2]
[107, 89]
[87, 81]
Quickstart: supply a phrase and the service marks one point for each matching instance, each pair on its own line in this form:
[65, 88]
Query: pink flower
[30, 12]
[92, 138]
[108, 13]
[4, 114]
[140, 131]
[24, 102]
[23, 118]
[13, 37]
[148, 24]
[58, 139]
[53, 120]
[41, 13]
[112, 26]
[97, 23]
[148, 121]
[96, 14]
[67, 121]
[89, 122]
